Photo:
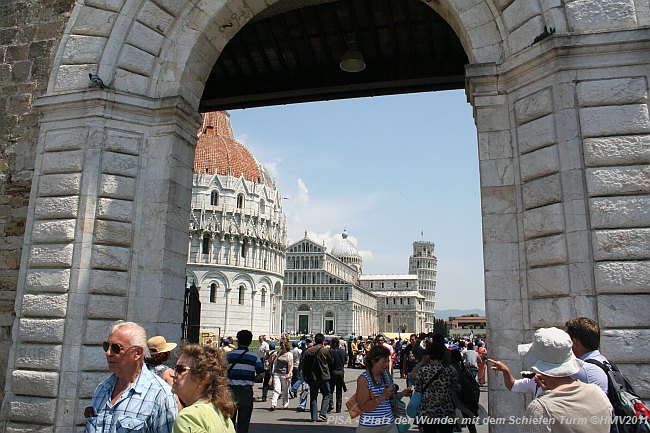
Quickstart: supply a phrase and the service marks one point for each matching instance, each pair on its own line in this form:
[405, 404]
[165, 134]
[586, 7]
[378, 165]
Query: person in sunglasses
[201, 381]
[132, 398]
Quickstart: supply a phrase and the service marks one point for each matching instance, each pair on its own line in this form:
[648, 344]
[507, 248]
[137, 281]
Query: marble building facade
[237, 235]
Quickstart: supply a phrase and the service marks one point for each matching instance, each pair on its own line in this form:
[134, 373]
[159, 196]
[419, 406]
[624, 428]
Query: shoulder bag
[416, 397]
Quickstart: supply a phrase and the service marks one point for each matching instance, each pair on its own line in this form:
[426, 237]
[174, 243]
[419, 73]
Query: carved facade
[237, 235]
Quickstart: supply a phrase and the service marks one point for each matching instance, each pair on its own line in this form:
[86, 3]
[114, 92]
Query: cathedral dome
[217, 151]
[345, 251]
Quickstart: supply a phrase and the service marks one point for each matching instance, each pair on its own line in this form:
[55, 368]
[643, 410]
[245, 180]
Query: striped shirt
[383, 414]
[147, 405]
[245, 369]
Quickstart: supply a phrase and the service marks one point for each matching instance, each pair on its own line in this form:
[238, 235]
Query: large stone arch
[563, 134]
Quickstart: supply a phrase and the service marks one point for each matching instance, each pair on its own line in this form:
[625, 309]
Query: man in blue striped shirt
[245, 369]
[132, 398]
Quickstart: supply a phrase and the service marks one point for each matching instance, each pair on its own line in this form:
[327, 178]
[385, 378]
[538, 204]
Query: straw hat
[550, 353]
[158, 344]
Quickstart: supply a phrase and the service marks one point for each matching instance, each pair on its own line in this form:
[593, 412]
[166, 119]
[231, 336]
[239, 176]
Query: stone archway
[563, 135]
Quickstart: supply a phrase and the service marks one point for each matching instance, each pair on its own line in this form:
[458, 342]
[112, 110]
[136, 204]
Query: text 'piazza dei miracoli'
[95, 183]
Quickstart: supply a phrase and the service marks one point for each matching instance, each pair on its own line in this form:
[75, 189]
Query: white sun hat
[550, 353]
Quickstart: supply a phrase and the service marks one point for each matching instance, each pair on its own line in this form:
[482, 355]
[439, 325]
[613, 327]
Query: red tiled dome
[217, 151]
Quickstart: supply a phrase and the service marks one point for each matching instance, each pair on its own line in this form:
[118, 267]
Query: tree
[440, 327]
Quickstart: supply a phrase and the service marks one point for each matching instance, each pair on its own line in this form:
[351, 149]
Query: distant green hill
[445, 314]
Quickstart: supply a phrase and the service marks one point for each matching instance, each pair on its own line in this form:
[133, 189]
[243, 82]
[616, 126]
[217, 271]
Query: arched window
[262, 206]
[243, 249]
[263, 298]
[389, 318]
[240, 201]
[205, 247]
[242, 290]
[214, 198]
[213, 292]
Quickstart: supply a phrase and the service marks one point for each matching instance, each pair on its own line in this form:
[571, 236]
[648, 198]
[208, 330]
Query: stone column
[105, 239]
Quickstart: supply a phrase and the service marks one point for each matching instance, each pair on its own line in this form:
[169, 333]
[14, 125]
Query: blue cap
[294, 344]
[329, 340]
[272, 346]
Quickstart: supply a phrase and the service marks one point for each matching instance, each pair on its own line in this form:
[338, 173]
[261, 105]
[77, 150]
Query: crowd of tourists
[211, 388]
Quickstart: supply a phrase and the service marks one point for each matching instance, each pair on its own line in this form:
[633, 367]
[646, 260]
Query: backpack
[469, 392]
[630, 413]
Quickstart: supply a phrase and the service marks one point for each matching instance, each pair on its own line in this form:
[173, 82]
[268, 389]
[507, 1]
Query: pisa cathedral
[247, 277]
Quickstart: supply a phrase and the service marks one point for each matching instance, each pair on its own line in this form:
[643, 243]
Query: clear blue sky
[385, 168]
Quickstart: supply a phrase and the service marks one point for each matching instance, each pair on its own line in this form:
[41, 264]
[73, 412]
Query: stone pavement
[281, 420]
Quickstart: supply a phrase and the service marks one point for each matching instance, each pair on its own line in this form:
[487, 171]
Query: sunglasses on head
[116, 349]
[180, 368]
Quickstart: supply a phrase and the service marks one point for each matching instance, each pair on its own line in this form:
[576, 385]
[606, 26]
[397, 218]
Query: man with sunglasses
[132, 397]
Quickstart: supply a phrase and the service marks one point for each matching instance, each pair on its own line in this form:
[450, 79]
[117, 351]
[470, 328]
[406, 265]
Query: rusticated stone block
[617, 91]
[48, 280]
[543, 191]
[51, 256]
[620, 212]
[618, 180]
[56, 207]
[590, 15]
[109, 282]
[154, 17]
[614, 120]
[32, 410]
[97, 331]
[536, 134]
[136, 60]
[123, 142]
[35, 383]
[623, 311]
[81, 49]
[534, 106]
[502, 285]
[117, 187]
[540, 163]
[625, 244]
[504, 404]
[120, 164]
[113, 209]
[495, 145]
[548, 281]
[497, 172]
[639, 375]
[501, 256]
[549, 312]
[113, 232]
[622, 277]
[504, 314]
[93, 358]
[63, 162]
[111, 258]
[523, 36]
[546, 251]
[544, 221]
[622, 345]
[106, 307]
[38, 356]
[41, 330]
[59, 185]
[65, 139]
[145, 38]
[28, 428]
[518, 13]
[89, 381]
[109, 5]
[621, 150]
[53, 231]
[94, 22]
[45, 305]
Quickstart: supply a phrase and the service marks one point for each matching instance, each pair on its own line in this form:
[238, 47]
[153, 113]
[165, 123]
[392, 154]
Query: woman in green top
[200, 380]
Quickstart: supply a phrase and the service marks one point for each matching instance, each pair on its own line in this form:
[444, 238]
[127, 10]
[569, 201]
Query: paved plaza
[281, 420]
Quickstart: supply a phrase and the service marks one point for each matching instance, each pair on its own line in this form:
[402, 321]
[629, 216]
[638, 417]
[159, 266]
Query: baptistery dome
[345, 251]
[217, 151]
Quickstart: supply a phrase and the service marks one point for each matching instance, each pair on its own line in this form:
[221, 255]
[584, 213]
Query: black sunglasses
[180, 368]
[115, 348]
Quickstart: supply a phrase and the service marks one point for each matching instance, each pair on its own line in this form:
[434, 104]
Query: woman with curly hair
[201, 381]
